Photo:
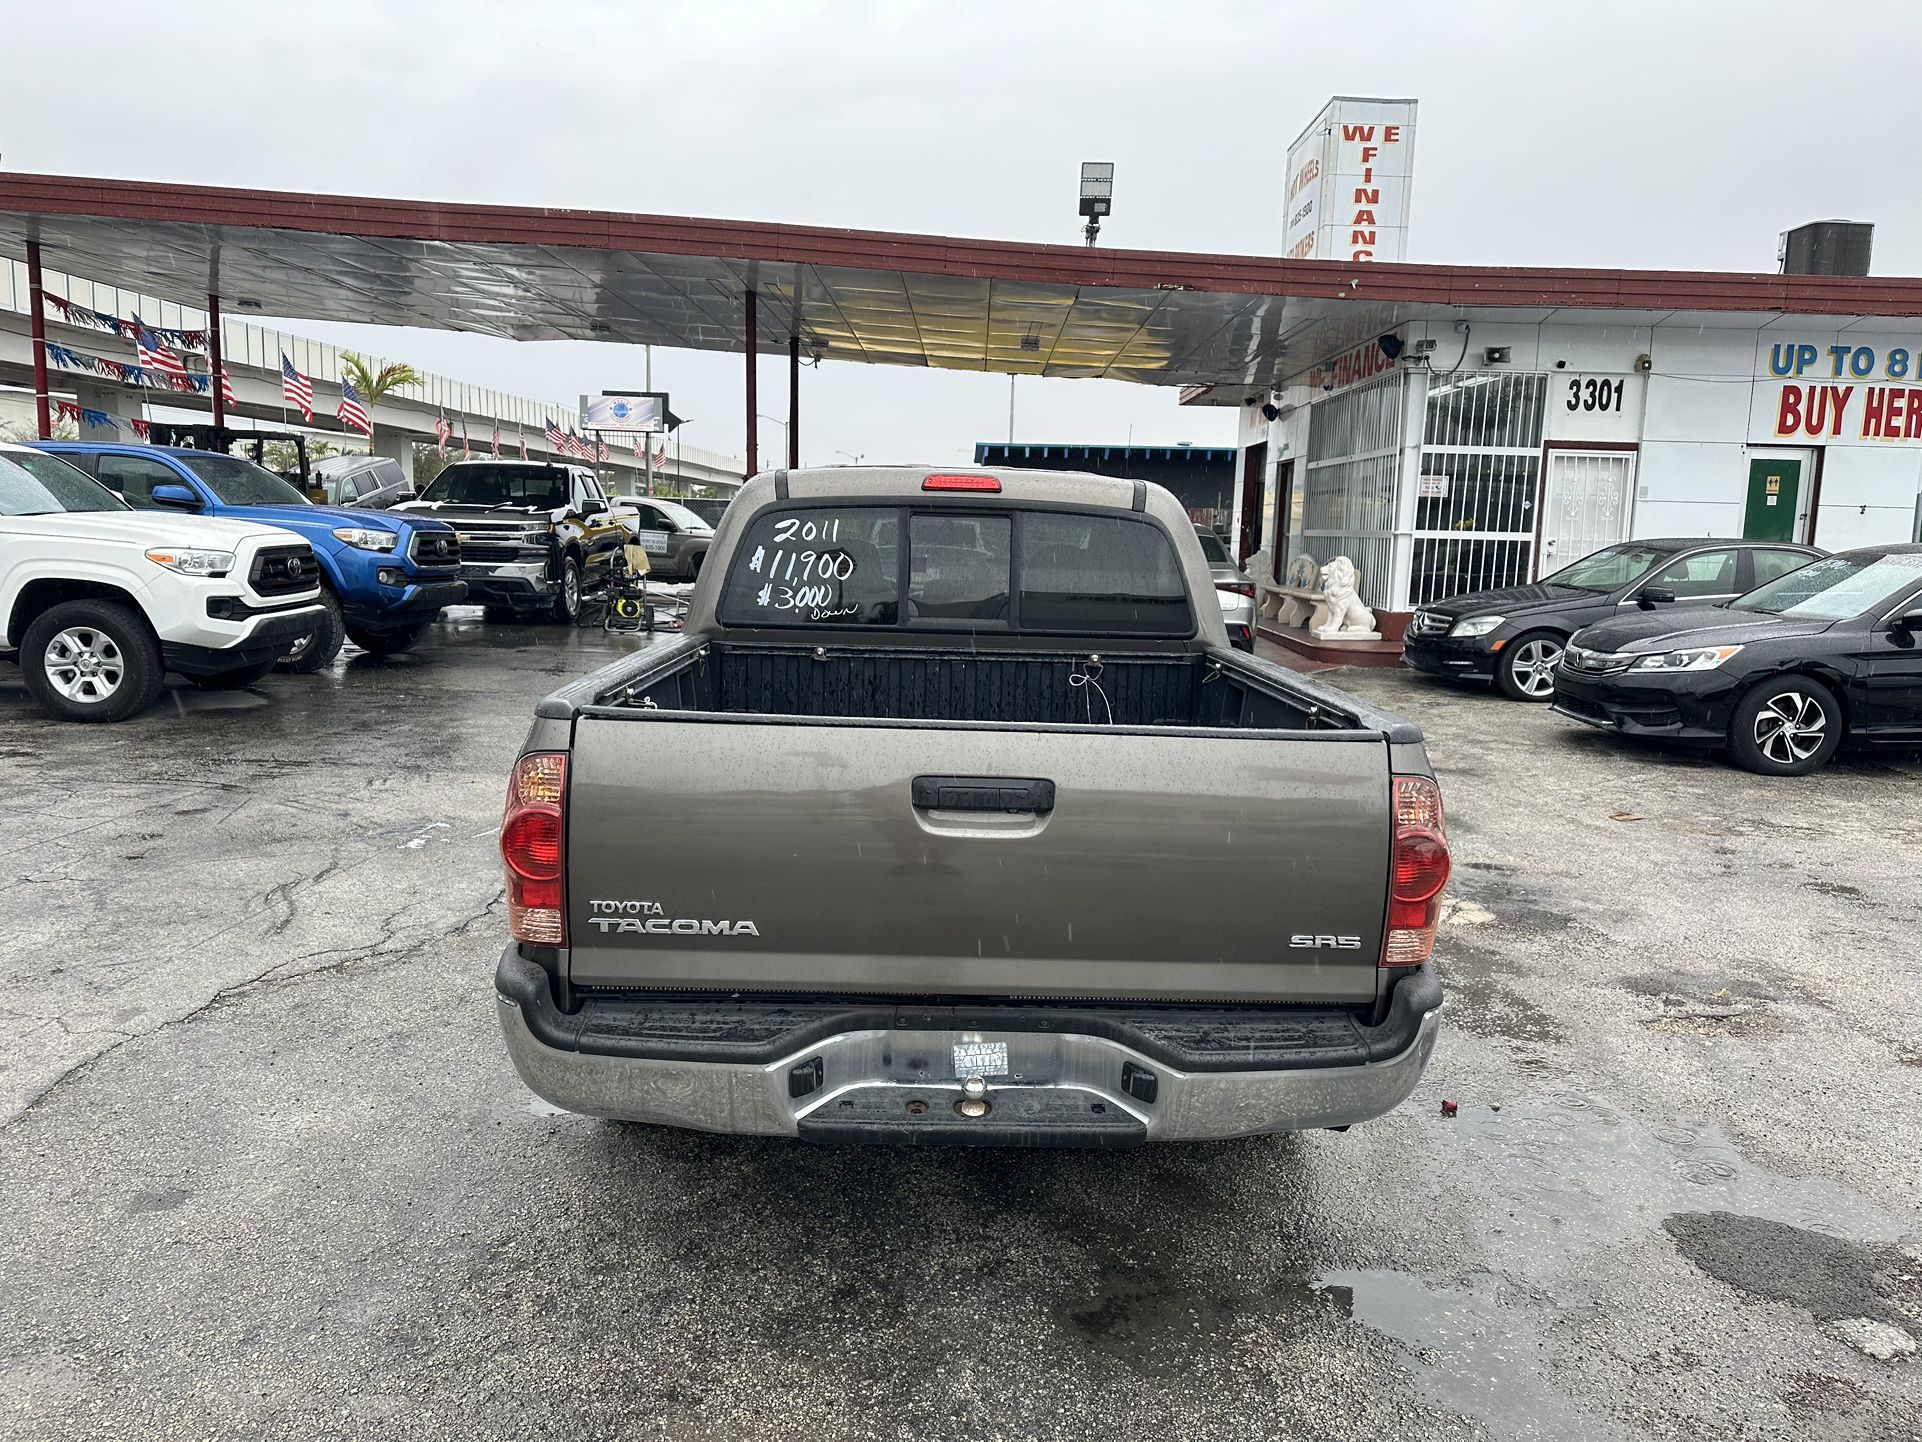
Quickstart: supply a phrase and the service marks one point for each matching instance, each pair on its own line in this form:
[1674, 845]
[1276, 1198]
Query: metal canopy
[1159, 318]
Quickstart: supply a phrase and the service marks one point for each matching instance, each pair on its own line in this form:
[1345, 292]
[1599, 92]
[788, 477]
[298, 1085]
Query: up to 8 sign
[1592, 393]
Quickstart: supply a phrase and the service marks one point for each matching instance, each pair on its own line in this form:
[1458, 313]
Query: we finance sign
[1348, 181]
[1842, 392]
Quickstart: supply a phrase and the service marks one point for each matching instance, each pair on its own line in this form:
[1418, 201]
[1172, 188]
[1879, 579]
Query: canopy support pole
[36, 305]
[753, 392]
[213, 359]
[794, 403]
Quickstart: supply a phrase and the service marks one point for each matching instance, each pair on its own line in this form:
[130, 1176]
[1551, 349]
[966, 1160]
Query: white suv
[98, 600]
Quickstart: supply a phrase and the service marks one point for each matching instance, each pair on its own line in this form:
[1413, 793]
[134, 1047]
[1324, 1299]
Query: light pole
[852, 456]
[1097, 195]
[784, 433]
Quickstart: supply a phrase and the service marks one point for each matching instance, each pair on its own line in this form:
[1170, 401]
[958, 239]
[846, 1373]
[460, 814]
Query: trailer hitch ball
[972, 1107]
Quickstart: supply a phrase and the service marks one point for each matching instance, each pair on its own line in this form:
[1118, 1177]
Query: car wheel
[91, 661]
[386, 643]
[238, 678]
[320, 645]
[694, 565]
[1525, 669]
[1787, 726]
[567, 600]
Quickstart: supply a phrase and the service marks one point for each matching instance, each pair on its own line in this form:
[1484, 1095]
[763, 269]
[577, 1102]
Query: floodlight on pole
[1097, 195]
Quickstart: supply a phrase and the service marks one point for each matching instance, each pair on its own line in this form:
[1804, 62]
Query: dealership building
[1468, 443]
[1490, 452]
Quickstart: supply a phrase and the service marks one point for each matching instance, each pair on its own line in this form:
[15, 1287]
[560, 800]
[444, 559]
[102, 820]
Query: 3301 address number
[1595, 394]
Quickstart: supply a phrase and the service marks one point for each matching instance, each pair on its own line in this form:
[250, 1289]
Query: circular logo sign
[621, 409]
[294, 566]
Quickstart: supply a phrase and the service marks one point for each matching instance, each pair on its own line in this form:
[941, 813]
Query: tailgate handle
[983, 793]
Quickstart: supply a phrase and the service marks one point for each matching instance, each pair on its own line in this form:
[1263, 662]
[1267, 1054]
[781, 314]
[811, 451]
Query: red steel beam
[36, 304]
[213, 357]
[751, 326]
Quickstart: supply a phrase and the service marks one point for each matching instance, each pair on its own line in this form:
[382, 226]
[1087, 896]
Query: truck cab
[384, 577]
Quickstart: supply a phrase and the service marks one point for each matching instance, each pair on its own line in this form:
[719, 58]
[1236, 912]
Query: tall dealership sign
[1349, 178]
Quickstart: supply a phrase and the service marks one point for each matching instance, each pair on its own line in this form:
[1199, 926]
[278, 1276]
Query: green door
[1773, 485]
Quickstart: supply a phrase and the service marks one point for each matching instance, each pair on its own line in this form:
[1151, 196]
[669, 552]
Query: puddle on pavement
[1477, 1347]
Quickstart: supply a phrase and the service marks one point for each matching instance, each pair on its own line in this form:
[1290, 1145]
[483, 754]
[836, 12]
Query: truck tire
[91, 661]
[386, 643]
[1525, 669]
[567, 600]
[1785, 726]
[694, 565]
[237, 679]
[319, 646]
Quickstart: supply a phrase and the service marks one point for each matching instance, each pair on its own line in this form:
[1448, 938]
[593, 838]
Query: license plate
[980, 1058]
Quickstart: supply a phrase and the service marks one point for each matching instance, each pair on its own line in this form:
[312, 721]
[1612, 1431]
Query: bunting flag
[142, 429]
[298, 390]
[442, 432]
[69, 359]
[227, 389]
[497, 440]
[84, 416]
[98, 320]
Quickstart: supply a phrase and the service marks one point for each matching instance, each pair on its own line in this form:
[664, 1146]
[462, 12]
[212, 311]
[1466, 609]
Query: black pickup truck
[534, 537]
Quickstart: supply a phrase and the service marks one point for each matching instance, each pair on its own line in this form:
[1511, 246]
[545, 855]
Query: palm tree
[373, 384]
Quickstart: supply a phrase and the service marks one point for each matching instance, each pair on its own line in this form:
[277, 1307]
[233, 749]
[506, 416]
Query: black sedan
[1783, 676]
[1516, 634]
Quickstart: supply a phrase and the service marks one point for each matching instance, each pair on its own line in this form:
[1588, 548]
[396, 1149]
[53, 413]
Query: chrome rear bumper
[1091, 1084]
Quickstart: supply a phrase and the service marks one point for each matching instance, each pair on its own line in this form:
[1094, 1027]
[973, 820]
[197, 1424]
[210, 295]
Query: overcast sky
[1683, 135]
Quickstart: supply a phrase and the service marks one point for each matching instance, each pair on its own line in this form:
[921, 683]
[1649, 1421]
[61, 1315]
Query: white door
[1585, 505]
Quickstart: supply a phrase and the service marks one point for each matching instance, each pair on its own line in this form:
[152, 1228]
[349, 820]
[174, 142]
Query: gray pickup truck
[919, 833]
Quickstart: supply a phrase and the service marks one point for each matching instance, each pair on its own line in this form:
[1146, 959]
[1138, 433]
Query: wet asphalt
[266, 1171]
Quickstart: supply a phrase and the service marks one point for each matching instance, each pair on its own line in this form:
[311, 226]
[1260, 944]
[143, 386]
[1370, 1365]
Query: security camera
[1329, 384]
[1270, 411]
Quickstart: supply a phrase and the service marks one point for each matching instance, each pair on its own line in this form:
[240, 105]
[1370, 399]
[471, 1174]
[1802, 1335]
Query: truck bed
[1216, 689]
[831, 797]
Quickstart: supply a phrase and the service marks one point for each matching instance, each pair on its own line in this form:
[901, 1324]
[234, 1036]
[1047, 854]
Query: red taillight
[1240, 588]
[532, 845]
[1421, 866]
[961, 483]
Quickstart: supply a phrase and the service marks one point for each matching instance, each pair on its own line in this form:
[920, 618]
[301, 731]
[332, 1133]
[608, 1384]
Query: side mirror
[181, 498]
[1653, 596]
[1910, 621]
[664, 524]
[593, 506]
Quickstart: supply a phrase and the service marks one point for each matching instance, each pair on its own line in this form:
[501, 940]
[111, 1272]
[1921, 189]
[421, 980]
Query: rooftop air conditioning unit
[1826, 247]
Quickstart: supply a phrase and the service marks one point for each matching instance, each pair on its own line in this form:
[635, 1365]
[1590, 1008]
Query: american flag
[441, 432]
[575, 445]
[152, 353]
[601, 452]
[467, 451]
[298, 390]
[555, 437]
[638, 452]
[227, 389]
[497, 440]
[660, 458]
[523, 436]
[351, 411]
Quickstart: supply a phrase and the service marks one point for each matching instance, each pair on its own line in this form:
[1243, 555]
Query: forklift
[220, 440]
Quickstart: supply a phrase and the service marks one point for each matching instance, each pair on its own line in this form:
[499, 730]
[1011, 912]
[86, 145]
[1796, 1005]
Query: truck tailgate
[738, 854]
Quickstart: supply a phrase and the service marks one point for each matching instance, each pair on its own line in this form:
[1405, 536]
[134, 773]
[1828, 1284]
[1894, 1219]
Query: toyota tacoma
[915, 835]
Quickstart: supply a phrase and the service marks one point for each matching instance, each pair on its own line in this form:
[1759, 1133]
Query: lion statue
[1345, 615]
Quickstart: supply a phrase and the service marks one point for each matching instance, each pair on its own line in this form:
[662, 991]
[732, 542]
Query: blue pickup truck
[384, 576]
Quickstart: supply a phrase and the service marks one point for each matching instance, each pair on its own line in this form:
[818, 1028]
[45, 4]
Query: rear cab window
[973, 569]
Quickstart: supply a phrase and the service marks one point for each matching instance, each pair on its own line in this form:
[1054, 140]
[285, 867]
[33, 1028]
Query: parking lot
[269, 1173]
